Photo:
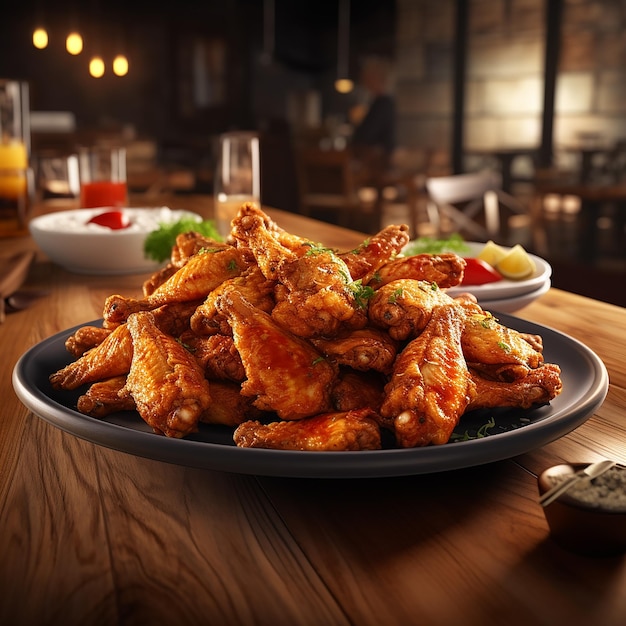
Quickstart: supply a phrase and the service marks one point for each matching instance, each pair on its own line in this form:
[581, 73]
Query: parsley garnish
[159, 243]
[427, 245]
[362, 293]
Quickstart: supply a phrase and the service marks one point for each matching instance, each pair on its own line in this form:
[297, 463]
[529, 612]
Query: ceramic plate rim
[585, 386]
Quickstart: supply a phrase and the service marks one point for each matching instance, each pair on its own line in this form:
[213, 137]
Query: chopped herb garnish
[480, 433]
[393, 298]
[362, 293]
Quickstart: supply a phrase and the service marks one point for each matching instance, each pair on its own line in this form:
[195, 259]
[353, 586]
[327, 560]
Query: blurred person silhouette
[373, 139]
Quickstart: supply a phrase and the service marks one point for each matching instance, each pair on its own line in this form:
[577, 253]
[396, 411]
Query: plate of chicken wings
[270, 354]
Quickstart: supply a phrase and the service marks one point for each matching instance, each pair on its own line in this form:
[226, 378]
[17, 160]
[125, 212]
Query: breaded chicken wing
[85, 338]
[103, 398]
[165, 381]
[330, 432]
[193, 281]
[287, 374]
[363, 349]
[430, 387]
[228, 406]
[110, 358]
[217, 355]
[445, 270]
[539, 386]
[404, 307]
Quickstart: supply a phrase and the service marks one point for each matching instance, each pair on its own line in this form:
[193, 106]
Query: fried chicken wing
[110, 358]
[85, 338]
[365, 261]
[362, 349]
[358, 390]
[430, 387]
[228, 406]
[404, 307]
[103, 398]
[539, 386]
[255, 288]
[330, 432]
[287, 374]
[496, 350]
[218, 356]
[165, 381]
[444, 270]
[193, 281]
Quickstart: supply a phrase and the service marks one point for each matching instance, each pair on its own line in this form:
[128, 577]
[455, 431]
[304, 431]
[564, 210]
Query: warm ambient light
[40, 38]
[96, 67]
[74, 43]
[344, 85]
[120, 65]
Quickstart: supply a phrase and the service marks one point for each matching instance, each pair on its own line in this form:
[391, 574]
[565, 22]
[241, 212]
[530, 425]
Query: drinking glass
[238, 177]
[102, 171]
[16, 178]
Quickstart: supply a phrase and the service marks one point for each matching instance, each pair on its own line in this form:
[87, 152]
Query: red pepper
[115, 220]
[478, 272]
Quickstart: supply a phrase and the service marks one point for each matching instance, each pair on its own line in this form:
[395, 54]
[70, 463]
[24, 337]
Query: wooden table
[96, 536]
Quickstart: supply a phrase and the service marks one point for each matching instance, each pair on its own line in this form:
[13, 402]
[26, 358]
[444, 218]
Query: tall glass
[102, 172]
[237, 178]
[16, 179]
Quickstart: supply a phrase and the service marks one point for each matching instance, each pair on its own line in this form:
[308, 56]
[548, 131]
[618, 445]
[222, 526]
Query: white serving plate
[510, 305]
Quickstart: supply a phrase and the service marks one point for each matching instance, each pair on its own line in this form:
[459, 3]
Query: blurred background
[535, 89]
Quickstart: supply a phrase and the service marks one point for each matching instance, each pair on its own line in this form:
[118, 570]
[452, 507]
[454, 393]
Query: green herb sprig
[428, 245]
[159, 243]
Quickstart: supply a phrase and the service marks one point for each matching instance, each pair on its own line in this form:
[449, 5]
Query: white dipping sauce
[141, 220]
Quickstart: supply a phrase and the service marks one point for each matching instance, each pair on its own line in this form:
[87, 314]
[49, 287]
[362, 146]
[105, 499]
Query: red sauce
[103, 193]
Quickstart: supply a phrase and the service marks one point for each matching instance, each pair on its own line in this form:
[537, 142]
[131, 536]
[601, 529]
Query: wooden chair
[330, 187]
[471, 202]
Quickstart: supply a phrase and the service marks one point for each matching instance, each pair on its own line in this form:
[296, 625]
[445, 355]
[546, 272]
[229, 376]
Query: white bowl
[511, 305]
[68, 240]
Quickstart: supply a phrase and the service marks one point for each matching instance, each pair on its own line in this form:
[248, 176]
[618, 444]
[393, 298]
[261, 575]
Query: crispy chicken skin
[358, 390]
[404, 307]
[165, 381]
[445, 270]
[218, 356]
[287, 374]
[255, 288]
[362, 349]
[497, 351]
[228, 407]
[430, 387]
[111, 358]
[539, 386]
[85, 338]
[365, 261]
[103, 398]
[201, 274]
[331, 432]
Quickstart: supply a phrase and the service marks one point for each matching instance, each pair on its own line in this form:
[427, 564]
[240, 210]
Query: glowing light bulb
[120, 65]
[40, 38]
[344, 85]
[96, 67]
[74, 43]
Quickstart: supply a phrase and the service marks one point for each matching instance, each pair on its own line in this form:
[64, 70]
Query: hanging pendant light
[343, 84]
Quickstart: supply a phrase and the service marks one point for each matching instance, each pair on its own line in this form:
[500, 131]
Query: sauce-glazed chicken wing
[330, 432]
[110, 358]
[497, 351]
[444, 270]
[430, 387]
[287, 374]
[404, 307]
[165, 381]
[103, 398]
[365, 261]
[539, 386]
[193, 281]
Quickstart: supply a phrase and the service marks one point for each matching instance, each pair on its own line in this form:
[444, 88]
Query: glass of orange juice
[102, 173]
[238, 176]
[16, 180]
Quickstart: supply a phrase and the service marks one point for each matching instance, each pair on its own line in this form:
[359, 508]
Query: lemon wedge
[492, 253]
[516, 264]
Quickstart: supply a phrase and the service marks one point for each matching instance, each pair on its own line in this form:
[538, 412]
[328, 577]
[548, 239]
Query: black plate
[585, 385]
